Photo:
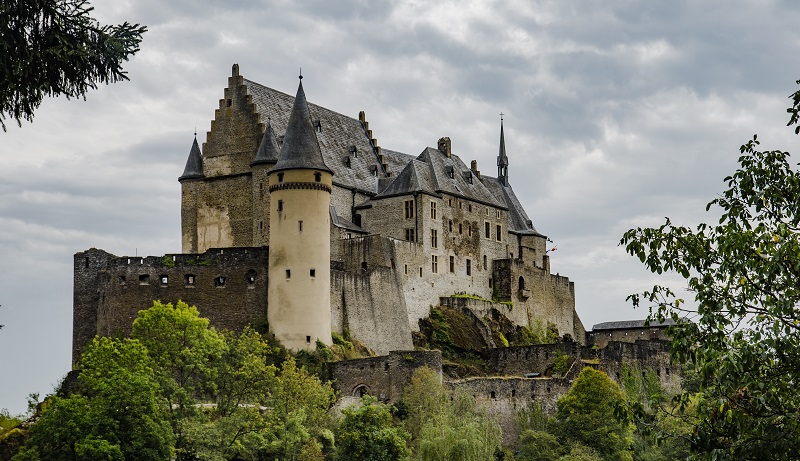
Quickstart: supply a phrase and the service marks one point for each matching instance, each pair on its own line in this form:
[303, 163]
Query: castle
[293, 216]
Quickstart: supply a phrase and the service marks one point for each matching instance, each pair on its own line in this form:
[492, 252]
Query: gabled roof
[452, 176]
[268, 149]
[342, 223]
[518, 220]
[336, 133]
[194, 164]
[415, 177]
[300, 149]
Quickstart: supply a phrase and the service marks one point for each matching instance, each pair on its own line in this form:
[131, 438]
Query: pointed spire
[300, 149]
[268, 149]
[194, 164]
[502, 158]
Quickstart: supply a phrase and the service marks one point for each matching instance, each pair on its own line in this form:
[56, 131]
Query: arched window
[360, 391]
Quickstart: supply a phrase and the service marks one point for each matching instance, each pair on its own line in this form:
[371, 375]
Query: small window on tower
[288, 273]
[280, 205]
[317, 176]
[280, 177]
[308, 339]
[300, 225]
[312, 273]
[469, 267]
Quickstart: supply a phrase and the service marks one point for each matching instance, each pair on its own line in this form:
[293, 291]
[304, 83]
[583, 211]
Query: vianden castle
[293, 217]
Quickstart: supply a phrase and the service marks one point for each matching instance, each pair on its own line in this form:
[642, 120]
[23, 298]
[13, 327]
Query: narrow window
[433, 210]
[498, 213]
[420, 272]
[261, 226]
[312, 273]
[364, 266]
[391, 263]
[449, 202]
[434, 264]
[490, 283]
[188, 279]
[459, 204]
[261, 189]
[317, 177]
[469, 267]
[405, 269]
[280, 177]
[357, 220]
[452, 263]
[288, 273]
[450, 225]
[469, 230]
[409, 209]
[434, 238]
[485, 266]
[499, 232]
[470, 208]
[280, 205]
[486, 230]
[460, 228]
[86, 261]
[487, 211]
[300, 225]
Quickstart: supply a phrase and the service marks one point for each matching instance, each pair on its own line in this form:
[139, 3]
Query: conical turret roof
[268, 149]
[194, 164]
[300, 148]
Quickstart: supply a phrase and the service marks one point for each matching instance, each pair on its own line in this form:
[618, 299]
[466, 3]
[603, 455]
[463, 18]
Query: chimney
[474, 168]
[444, 147]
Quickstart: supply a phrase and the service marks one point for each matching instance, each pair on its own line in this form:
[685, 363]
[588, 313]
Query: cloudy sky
[619, 113]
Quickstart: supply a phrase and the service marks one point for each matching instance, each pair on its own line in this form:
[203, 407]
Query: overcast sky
[618, 113]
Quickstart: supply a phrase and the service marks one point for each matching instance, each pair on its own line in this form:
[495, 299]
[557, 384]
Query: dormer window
[318, 126]
[449, 171]
[354, 151]
[347, 162]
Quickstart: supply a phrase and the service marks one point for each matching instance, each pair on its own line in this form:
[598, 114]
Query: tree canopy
[54, 47]
[742, 331]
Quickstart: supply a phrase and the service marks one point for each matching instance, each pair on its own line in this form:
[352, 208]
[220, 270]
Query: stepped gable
[518, 220]
[337, 135]
[452, 176]
[194, 164]
[268, 150]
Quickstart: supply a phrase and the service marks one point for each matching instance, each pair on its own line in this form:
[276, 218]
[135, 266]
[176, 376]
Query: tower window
[317, 176]
[280, 177]
[312, 273]
[469, 267]
[308, 339]
[405, 269]
[280, 205]
[450, 225]
[420, 272]
[469, 230]
[261, 225]
[300, 225]
[460, 228]
[86, 262]
[409, 209]
[288, 273]
[452, 263]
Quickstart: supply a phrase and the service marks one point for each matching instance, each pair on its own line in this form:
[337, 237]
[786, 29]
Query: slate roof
[336, 133]
[300, 149]
[343, 223]
[502, 158]
[629, 324]
[194, 164]
[415, 177]
[268, 150]
[518, 220]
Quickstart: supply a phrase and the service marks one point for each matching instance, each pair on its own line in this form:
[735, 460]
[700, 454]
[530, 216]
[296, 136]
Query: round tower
[299, 307]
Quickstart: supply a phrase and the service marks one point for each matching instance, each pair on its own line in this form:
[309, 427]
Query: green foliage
[744, 337]
[168, 261]
[367, 433]
[54, 47]
[580, 452]
[537, 445]
[503, 340]
[642, 387]
[443, 429]
[587, 415]
[561, 365]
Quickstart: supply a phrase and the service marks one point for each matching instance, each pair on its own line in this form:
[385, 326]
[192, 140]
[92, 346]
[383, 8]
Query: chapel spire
[194, 164]
[502, 158]
[300, 149]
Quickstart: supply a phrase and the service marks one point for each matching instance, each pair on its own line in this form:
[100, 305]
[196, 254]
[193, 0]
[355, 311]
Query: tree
[114, 416]
[54, 47]
[367, 433]
[586, 415]
[742, 333]
[538, 446]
